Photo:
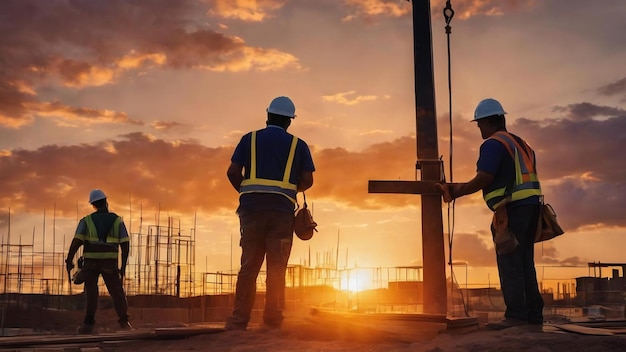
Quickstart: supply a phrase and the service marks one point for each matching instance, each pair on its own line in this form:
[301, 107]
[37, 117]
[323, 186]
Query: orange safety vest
[526, 181]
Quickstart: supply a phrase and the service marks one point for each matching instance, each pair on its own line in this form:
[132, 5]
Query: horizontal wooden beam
[426, 188]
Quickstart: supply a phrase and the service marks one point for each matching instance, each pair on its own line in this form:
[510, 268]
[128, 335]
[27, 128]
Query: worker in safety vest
[507, 175]
[268, 168]
[102, 234]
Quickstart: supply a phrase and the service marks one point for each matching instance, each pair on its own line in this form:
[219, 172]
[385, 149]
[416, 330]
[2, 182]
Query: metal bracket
[420, 162]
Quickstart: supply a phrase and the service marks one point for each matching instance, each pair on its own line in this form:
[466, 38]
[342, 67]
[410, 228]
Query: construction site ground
[307, 331]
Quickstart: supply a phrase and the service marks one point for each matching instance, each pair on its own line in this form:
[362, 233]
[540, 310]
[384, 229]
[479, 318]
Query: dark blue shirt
[272, 148]
[103, 220]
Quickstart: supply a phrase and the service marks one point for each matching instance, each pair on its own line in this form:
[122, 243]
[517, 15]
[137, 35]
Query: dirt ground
[305, 338]
[301, 334]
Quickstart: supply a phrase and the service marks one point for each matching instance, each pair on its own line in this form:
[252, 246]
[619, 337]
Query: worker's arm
[125, 246]
[76, 243]
[69, 261]
[480, 181]
[305, 181]
[457, 190]
[235, 175]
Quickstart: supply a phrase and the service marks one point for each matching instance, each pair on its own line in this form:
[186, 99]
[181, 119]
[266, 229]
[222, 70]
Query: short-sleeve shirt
[496, 160]
[272, 145]
[101, 219]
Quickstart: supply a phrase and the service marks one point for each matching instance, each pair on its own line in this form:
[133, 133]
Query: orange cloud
[164, 125]
[257, 59]
[249, 11]
[78, 74]
[371, 8]
[464, 9]
[147, 35]
[344, 98]
[135, 60]
[185, 176]
[13, 100]
[79, 117]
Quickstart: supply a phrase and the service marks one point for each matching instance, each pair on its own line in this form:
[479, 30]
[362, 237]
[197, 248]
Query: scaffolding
[161, 262]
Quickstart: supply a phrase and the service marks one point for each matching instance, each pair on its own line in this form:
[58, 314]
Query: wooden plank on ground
[187, 331]
[607, 323]
[36, 340]
[139, 334]
[583, 330]
[389, 327]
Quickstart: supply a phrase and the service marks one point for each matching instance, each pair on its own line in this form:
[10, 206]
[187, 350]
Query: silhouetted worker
[268, 168]
[507, 175]
[101, 233]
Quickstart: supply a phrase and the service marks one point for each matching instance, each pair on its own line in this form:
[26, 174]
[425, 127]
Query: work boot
[265, 327]
[85, 329]
[505, 324]
[230, 325]
[269, 324]
[125, 325]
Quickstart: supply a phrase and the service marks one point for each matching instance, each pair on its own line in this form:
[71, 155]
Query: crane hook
[448, 13]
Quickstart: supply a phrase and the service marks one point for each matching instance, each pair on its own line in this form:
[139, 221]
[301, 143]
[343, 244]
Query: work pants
[266, 234]
[518, 278]
[92, 270]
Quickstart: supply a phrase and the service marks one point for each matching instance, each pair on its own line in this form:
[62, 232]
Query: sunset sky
[147, 99]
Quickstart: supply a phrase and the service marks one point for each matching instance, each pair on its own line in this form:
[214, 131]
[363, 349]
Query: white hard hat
[488, 107]
[96, 195]
[282, 106]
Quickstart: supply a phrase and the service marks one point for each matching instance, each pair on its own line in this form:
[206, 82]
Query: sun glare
[356, 280]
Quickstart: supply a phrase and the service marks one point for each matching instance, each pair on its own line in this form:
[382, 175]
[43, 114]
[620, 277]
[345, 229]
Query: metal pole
[435, 292]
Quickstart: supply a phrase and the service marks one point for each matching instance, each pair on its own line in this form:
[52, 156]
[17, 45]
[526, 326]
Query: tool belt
[504, 240]
[548, 227]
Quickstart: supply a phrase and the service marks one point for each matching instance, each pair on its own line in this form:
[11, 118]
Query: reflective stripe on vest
[526, 180]
[257, 184]
[94, 248]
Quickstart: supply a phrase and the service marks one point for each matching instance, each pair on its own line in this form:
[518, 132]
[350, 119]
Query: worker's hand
[69, 265]
[445, 189]
[123, 272]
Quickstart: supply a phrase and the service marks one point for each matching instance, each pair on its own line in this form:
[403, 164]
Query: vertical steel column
[435, 292]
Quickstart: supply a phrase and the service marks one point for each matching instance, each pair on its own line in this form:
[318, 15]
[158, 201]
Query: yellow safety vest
[97, 249]
[256, 184]
[526, 180]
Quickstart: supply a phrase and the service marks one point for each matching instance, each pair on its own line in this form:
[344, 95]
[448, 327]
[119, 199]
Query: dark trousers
[518, 278]
[266, 234]
[92, 270]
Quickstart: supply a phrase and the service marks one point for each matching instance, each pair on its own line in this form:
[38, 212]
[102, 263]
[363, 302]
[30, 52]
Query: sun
[355, 280]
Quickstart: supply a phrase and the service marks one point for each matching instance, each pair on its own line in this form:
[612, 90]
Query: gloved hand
[69, 265]
[123, 272]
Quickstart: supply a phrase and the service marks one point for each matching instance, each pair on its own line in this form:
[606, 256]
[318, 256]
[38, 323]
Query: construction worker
[506, 173]
[268, 168]
[101, 233]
